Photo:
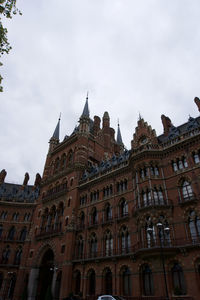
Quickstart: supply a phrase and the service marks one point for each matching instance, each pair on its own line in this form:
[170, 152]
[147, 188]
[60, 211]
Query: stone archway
[45, 275]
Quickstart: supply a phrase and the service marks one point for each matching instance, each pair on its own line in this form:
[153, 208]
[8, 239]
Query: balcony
[93, 224]
[122, 217]
[146, 247]
[142, 206]
[107, 221]
[190, 199]
[11, 240]
[49, 233]
[55, 194]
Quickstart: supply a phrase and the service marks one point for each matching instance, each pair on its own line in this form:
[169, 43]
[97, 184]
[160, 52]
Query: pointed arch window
[147, 281]
[82, 220]
[178, 280]
[108, 243]
[80, 247]
[93, 245]
[150, 233]
[123, 208]
[94, 216]
[126, 282]
[196, 157]
[18, 255]
[108, 212]
[186, 189]
[11, 233]
[6, 254]
[194, 226]
[23, 234]
[125, 240]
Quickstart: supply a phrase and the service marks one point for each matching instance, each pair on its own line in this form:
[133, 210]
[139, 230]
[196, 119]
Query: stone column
[32, 283]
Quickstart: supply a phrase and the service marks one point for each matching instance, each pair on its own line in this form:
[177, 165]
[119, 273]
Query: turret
[106, 120]
[85, 118]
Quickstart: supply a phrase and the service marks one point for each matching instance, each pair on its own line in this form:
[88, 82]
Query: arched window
[158, 196]
[123, 208]
[93, 245]
[107, 276]
[147, 281]
[108, 212]
[11, 233]
[63, 161]
[57, 165]
[82, 220]
[5, 254]
[126, 281]
[18, 255]
[70, 157]
[11, 286]
[196, 157]
[108, 243]
[23, 234]
[92, 282]
[94, 216]
[125, 240]
[186, 188]
[80, 247]
[150, 233]
[194, 226]
[178, 280]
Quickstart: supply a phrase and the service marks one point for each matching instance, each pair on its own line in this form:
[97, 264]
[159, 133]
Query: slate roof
[179, 130]
[18, 193]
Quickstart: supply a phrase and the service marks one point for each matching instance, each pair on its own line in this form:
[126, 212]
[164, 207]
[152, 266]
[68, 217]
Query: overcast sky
[131, 55]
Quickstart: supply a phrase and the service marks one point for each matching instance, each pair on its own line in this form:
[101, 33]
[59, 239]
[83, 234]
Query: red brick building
[106, 220]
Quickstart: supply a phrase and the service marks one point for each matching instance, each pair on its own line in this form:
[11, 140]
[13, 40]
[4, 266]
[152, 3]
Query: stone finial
[38, 180]
[26, 179]
[3, 174]
[197, 101]
[106, 120]
[167, 124]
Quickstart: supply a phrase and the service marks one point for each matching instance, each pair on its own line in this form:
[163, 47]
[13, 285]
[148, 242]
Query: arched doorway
[107, 276]
[45, 275]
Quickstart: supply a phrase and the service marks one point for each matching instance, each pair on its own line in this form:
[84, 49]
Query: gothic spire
[119, 136]
[86, 112]
[57, 130]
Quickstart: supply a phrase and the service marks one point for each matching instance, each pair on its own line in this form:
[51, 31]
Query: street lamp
[162, 230]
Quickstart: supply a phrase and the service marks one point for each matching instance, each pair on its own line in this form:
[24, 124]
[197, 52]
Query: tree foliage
[7, 10]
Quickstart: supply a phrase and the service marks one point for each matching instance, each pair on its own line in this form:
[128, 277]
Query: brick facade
[103, 219]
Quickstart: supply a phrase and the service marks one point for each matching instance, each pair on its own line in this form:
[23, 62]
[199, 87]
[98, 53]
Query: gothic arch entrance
[45, 275]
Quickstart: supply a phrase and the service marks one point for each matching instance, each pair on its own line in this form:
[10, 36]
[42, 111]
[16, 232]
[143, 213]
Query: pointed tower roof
[119, 136]
[86, 112]
[56, 133]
